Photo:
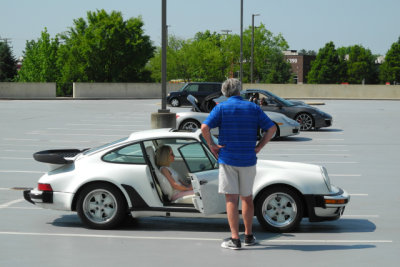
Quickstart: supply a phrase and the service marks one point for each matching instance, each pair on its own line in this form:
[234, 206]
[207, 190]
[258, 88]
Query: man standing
[238, 121]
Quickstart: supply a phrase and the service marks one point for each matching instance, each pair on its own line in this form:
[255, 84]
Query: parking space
[360, 152]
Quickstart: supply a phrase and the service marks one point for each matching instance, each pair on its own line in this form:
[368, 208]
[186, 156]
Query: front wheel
[306, 121]
[101, 206]
[279, 209]
[276, 135]
[190, 125]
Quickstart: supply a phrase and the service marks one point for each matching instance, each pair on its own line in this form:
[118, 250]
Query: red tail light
[44, 187]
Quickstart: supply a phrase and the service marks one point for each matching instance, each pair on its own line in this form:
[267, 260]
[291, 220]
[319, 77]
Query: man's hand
[205, 130]
[215, 149]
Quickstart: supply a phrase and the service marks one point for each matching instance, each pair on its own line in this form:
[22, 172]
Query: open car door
[203, 172]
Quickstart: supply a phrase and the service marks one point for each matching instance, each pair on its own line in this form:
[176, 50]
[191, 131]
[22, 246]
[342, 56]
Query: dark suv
[197, 89]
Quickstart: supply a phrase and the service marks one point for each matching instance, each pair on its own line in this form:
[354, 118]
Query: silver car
[191, 120]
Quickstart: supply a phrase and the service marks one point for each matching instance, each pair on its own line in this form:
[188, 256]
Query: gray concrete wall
[330, 91]
[11, 90]
[121, 90]
[153, 90]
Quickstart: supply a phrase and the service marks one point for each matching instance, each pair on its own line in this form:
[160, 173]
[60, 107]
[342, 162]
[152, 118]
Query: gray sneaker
[232, 244]
[250, 240]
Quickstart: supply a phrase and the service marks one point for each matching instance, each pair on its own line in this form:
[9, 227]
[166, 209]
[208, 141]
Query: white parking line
[5, 205]
[326, 241]
[77, 134]
[344, 175]
[358, 195]
[19, 139]
[5, 158]
[331, 162]
[15, 171]
[116, 125]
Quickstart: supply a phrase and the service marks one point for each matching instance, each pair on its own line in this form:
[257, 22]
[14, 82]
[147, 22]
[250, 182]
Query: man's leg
[233, 214]
[248, 214]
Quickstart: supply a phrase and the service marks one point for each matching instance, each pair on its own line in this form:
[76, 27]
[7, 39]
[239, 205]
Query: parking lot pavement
[360, 152]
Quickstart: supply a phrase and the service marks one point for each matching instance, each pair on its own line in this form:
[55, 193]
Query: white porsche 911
[106, 184]
[191, 120]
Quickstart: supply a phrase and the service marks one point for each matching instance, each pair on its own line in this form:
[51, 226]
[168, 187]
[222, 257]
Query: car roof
[162, 133]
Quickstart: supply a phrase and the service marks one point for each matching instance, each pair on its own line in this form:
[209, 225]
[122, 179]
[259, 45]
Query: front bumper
[326, 207]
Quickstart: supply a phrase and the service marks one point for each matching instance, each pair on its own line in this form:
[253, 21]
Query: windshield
[282, 100]
[183, 88]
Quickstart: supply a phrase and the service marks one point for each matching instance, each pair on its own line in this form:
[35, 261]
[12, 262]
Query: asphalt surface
[360, 152]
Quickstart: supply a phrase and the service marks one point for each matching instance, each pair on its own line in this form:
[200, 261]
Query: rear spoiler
[56, 156]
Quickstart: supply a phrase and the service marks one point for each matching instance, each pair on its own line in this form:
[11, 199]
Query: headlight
[168, 95]
[325, 175]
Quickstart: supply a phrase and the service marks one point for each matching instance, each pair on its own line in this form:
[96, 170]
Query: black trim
[136, 199]
[318, 201]
[44, 196]
[167, 209]
[28, 197]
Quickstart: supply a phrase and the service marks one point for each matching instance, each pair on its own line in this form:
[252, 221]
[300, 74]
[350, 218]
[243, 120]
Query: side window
[206, 88]
[192, 88]
[131, 154]
[216, 88]
[196, 158]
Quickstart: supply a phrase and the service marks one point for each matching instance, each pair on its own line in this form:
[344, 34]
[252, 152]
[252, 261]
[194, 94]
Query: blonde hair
[162, 156]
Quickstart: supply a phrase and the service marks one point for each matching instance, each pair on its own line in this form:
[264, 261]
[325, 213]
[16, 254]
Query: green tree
[361, 65]
[390, 68]
[105, 48]
[8, 64]
[326, 68]
[40, 57]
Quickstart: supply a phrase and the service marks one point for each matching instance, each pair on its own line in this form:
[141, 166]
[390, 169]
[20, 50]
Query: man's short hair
[231, 87]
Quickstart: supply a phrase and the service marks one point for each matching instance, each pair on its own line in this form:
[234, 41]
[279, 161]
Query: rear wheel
[175, 102]
[101, 206]
[279, 209]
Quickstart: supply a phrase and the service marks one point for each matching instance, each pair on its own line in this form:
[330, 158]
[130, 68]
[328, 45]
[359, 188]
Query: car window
[192, 88]
[92, 150]
[131, 154]
[197, 158]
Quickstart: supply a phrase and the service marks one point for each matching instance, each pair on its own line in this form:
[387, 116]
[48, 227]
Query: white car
[192, 120]
[106, 184]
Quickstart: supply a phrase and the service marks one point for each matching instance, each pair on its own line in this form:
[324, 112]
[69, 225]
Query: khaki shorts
[236, 180]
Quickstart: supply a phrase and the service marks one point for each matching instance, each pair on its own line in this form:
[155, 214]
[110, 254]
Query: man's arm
[266, 138]
[205, 130]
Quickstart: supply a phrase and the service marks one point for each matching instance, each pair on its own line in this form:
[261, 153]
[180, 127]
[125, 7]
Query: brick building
[301, 65]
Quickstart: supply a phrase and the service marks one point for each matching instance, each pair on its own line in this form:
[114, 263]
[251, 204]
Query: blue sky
[305, 24]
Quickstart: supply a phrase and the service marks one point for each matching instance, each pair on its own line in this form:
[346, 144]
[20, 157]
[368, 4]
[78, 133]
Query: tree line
[106, 48]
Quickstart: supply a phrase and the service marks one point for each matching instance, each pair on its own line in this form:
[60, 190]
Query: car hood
[307, 178]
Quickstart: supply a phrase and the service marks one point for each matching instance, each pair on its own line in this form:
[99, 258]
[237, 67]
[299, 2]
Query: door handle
[203, 182]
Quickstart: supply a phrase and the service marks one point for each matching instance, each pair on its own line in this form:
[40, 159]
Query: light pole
[241, 44]
[252, 47]
[163, 118]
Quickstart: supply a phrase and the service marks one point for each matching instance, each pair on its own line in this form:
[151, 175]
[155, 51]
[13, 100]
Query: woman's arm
[172, 181]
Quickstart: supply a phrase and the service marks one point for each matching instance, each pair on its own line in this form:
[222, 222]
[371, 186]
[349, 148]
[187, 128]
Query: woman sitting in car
[164, 157]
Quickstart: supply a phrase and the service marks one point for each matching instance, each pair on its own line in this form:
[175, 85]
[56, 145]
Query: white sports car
[106, 184]
[192, 120]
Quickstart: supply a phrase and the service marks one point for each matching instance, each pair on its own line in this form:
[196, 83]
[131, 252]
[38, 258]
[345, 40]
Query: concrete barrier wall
[330, 91]
[12, 90]
[121, 90]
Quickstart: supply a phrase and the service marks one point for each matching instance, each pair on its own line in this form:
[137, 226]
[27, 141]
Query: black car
[197, 89]
[309, 117]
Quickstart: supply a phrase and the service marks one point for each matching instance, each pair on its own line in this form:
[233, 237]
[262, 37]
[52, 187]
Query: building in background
[301, 65]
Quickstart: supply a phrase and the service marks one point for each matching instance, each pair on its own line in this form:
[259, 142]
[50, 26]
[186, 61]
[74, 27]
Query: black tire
[190, 125]
[175, 102]
[274, 137]
[101, 206]
[279, 209]
[306, 121]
